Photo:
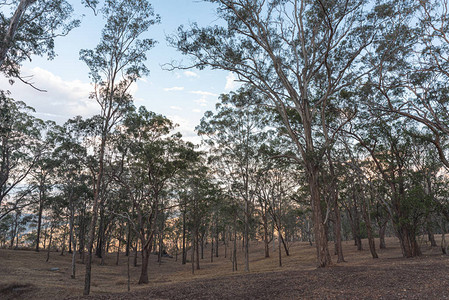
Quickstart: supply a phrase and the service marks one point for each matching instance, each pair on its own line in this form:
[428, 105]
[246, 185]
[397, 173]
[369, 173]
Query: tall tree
[115, 64]
[235, 133]
[20, 148]
[155, 157]
[299, 54]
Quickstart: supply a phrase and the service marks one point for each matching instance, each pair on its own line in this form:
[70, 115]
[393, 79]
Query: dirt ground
[26, 275]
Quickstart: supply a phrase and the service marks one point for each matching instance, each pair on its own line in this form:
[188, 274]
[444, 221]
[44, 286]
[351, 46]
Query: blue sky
[182, 95]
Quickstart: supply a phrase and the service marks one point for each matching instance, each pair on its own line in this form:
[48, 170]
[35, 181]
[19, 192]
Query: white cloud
[175, 88]
[186, 127]
[196, 110]
[203, 93]
[191, 74]
[231, 83]
[175, 107]
[63, 99]
[201, 101]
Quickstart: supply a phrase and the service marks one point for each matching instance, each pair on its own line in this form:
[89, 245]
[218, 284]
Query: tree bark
[265, 235]
[184, 253]
[212, 247]
[96, 204]
[197, 249]
[135, 253]
[369, 230]
[382, 229]
[336, 209]
[234, 252]
[145, 259]
[323, 255]
[279, 247]
[246, 236]
[118, 247]
[39, 218]
[431, 237]
[49, 243]
[12, 29]
[73, 258]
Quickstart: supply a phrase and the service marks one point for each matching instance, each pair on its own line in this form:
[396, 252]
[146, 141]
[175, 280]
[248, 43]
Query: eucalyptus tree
[42, 177]
[234, 133]
[413, 81]
[153, 157]
[200, 194]
[20, 148]
[297, 53]
[29, 27]
[275, 188]
[115, 64]
[277, 183]
[427, 174]
[388, 144]
[70, 155]
[359, 192]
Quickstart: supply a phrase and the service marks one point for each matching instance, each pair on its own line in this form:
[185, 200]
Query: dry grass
[26, 275]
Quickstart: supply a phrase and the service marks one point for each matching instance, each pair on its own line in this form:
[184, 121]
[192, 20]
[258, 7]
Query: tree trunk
[382, 230]
[118, 248]
[202, 246]
[431, 237]
[12, 28]
[64, 235]
[96, 203]
[356, 221]
[159, 252]
[408, 242]
[369, 231]
[444, 244]
[71, 225]
[127, 267]
[135, 253]
[82, 230]
[90, 244]
[216, 240]
[49, 243]
[234, 253]
[100, 235]
[197, 249]
[279, 247]
[323, 255]
[265, 236]
[246, 236]
[73, 258]
[336, 209]
[225, 242]
[192, 254]
[128, 240]
[212, 247]
[39, 221]
[145, 259]
[367, 219]
[184, 253]
[282, 240]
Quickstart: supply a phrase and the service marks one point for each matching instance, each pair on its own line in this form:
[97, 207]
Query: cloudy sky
[182, 95]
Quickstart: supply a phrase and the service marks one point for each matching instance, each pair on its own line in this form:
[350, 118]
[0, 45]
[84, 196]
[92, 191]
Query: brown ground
[26, 275]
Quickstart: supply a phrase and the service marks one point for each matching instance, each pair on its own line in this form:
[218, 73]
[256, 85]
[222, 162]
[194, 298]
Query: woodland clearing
[26, 275]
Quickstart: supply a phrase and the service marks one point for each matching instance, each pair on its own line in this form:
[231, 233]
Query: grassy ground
[26, 275]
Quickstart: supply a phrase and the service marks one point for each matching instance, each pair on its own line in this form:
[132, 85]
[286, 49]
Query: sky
[182, 95]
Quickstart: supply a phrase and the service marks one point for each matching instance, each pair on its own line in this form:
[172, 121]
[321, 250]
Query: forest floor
[26, 275]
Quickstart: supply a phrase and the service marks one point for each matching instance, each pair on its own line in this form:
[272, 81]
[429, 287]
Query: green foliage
[41, 22]
[20, 146]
